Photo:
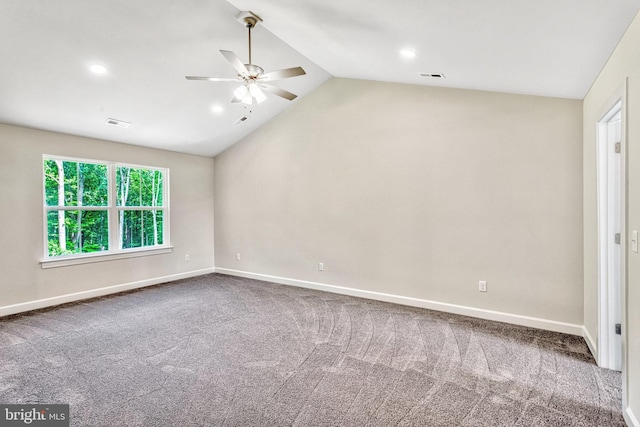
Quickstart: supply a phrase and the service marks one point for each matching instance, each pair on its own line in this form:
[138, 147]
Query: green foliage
[69, 183]
[138, 228]
[85, 231]
[85, 184]
[139, 187]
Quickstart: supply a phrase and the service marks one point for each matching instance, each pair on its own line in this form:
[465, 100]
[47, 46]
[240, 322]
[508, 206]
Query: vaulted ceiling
[542, 47]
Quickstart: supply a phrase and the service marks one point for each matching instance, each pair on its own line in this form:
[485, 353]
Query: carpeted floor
[219, 350]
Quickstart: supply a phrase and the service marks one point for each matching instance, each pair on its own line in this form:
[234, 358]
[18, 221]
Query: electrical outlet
[186, 258]
[237, 256]
[321, 266]
[482, 286]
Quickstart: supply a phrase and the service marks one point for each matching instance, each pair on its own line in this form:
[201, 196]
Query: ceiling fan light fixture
[240, 92]
[247, 98]
[257, 93]
[243, 95]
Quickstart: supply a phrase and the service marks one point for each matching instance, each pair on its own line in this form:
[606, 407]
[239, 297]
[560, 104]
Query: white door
[615, 273]
[611, 237]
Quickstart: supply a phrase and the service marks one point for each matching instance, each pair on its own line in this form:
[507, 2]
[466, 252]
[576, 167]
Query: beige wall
[21, 277]
[625, 62]
[414, 191]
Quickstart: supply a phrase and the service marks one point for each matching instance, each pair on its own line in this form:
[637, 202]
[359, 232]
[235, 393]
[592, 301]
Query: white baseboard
[516, 319]
[62, 299]
[591, 344]
[630, 418]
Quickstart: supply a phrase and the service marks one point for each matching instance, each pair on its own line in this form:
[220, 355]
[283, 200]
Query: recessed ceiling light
[98, 68]
[217, 109]
[408, 53]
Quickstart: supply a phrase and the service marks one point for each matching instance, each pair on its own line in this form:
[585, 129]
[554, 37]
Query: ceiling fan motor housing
[254, 71]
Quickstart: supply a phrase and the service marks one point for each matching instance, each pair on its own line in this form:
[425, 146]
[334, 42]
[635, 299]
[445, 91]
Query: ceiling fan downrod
[250, 22]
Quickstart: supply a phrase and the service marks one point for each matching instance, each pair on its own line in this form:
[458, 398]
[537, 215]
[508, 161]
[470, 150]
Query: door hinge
[617, 238]
[618, 329]
[618, 147]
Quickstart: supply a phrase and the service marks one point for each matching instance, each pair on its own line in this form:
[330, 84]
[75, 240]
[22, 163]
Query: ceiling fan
[253, 78]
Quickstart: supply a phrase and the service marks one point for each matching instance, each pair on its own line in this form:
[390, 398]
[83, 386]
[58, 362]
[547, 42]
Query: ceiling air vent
[432, 75]
[240, 120]
[119, 123]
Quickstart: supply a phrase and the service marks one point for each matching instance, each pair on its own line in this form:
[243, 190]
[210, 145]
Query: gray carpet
[219, 350]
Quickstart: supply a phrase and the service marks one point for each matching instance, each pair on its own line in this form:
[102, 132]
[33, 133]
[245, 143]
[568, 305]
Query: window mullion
[76, 208]
[114, 239]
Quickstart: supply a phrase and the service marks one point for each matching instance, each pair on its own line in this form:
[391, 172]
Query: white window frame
[115, 250]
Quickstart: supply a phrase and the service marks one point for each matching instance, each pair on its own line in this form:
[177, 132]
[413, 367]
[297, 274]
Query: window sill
[91, 258]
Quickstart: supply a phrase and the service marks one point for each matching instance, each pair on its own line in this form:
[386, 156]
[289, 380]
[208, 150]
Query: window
[93, 207]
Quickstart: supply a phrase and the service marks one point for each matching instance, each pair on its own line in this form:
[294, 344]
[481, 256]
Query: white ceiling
[541, 47]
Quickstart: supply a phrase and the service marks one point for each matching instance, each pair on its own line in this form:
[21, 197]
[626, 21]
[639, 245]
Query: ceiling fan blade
[283, 74]
[211, 79]
[280, 92]
[235, 62]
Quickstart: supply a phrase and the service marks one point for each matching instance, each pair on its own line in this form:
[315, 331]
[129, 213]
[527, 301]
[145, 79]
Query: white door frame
[608, 215]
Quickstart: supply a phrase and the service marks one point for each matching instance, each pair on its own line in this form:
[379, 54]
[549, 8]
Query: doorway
[611, 235]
